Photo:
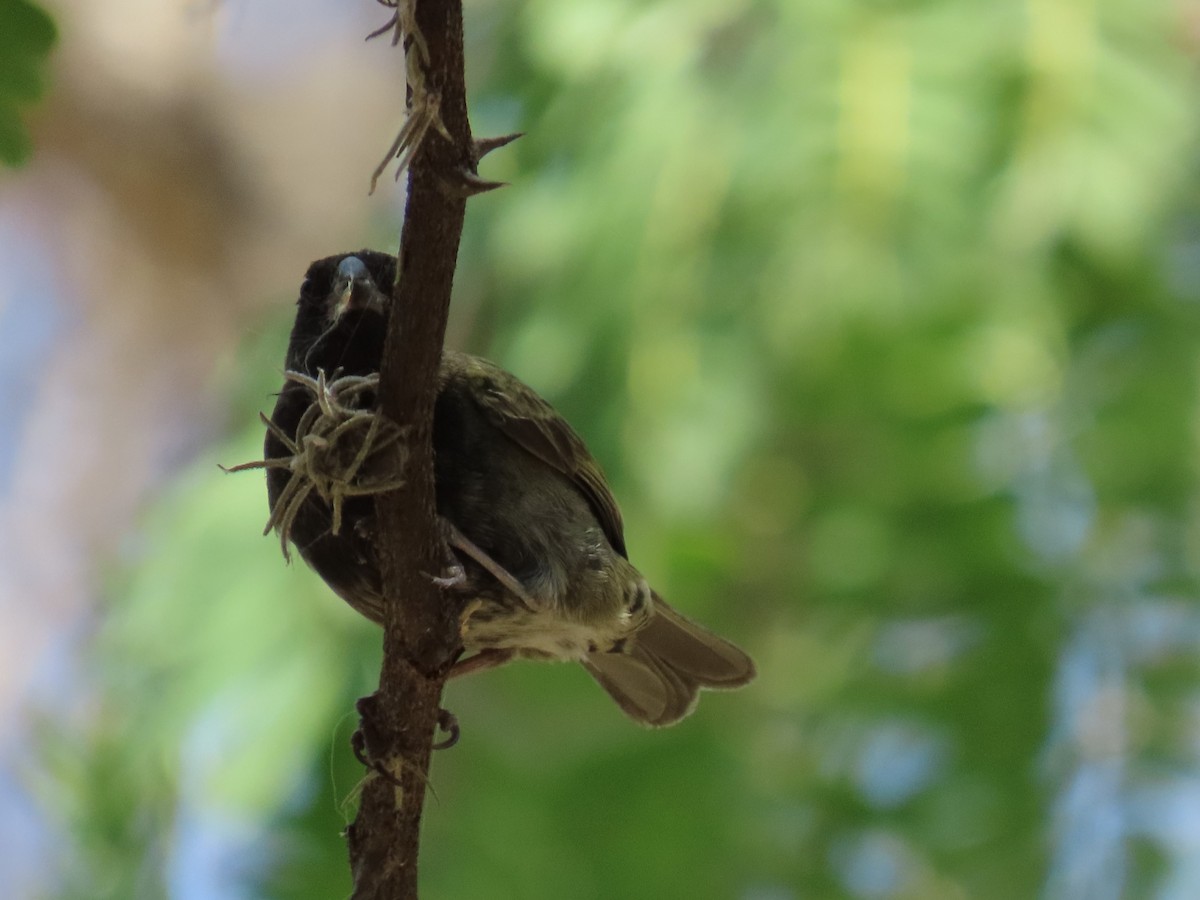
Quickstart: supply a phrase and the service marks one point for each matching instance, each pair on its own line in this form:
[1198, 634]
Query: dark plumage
[522, 494]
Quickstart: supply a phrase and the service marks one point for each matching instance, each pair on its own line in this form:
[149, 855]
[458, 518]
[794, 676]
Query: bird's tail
[657, 678]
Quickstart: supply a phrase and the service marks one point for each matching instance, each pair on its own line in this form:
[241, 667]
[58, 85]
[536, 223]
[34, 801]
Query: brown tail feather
[657, 680]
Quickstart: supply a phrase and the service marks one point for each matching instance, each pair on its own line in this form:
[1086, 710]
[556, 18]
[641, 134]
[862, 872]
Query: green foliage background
[26, 36]
[882, 318]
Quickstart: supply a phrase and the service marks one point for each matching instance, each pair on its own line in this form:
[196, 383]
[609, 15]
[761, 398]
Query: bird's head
[342, 317]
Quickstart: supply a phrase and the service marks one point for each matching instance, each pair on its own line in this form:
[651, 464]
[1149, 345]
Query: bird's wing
[532, 423]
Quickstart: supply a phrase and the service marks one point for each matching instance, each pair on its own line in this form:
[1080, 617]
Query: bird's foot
[367, 741]
[481, 661]
[456, 576]
[459, 541]
[447, 722]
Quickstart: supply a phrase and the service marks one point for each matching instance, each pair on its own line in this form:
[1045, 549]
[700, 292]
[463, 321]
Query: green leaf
[26, 35]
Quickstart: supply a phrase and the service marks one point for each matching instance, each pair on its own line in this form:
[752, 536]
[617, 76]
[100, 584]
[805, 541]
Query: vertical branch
[421, 638]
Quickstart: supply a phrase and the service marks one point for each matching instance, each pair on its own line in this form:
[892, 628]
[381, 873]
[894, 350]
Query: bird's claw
[459, 541]
[456, 578]
[484, 659]
[365, 736]
[447, 722]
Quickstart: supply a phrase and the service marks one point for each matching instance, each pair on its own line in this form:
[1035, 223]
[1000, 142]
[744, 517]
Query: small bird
[537, 539]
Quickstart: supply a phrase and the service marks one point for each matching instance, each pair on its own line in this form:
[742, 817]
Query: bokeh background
[882, 316]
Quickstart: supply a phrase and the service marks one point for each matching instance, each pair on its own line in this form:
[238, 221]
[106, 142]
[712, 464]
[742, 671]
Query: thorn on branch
[462, 182]
[481, 147]
[423, 110]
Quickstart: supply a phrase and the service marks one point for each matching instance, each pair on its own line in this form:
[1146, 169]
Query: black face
[341, 315]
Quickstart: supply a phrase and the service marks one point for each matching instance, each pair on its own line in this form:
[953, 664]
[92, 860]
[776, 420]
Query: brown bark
[421, 638]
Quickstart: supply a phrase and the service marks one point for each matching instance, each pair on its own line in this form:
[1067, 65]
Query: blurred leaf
[26, 36]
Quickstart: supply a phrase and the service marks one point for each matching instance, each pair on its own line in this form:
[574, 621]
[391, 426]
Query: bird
[536, 538]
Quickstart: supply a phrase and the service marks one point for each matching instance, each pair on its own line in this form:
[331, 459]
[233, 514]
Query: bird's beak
[353, 288]
[343, 295]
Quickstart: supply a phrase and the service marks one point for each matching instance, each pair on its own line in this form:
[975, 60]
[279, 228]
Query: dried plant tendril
[339, 450]
[423, 105]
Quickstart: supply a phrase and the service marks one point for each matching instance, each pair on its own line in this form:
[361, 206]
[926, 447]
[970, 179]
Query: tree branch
[421, 636]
